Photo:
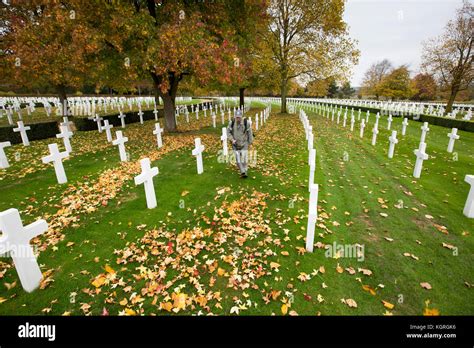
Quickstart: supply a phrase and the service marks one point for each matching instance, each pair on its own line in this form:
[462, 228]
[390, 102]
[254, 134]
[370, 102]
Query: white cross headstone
[56, 157]
[453, 136]
[312, 216]
[424, 130]
[107, 127]
[65, 135]
[98, 120]
[197, 151]
[3, 157]
[120, 141]
[393, 140]
[67, 123]
[213, 120]
[404, 126]
[155, 112]
[312, 167]
[421, 156]
[146, 178]
[22, 129]
[122, 119]
[16, 240]
[375, 131]
[389, 122]
[469, 206]
[158, 132]
[140, 114]
[352, 123]
[225, 150]
[362, 126]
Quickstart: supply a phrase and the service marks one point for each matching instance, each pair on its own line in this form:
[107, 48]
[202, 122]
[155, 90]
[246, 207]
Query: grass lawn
[224, 245]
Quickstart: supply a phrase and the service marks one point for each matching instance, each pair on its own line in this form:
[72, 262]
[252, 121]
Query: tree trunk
[63, 99]
[452, 97]
[283, 96]
[242, 97]
[157, 96]
[169, 111]
[168, 97]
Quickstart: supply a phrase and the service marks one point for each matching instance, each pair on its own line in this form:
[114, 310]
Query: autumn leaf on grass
[366, 272]
[184, 193]
[2, 299]
[274, 265]
[301, 250]
[109, 269]
[440, 228]
[167, 306]
[369, 289]
[285, 253]
[388, 304]
[304, 277]
[426, 286]
[179, 301]
[284, 309]
[275, 294]
[350, 302]
[339, 269]
[350, 270]
[430, 312]
[448, 246]
[99, 281]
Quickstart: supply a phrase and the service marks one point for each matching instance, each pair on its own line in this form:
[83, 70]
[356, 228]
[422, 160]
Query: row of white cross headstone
[312, 187]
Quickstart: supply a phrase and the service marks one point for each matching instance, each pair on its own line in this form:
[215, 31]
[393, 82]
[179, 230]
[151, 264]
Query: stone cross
[225, 150]
[140, 114]
[393, 140]
[310, 137]
[146, 178]
[67, 123]
[56, 157]
[107, 127]
[421, 156]
[155, 112]
[16, 241]
[22, 129]
[122, 118]
[312, 216]
[3, 157]
[367, 117]
[98, 120]
[424, 130]
[375, 131]
[197, 151]
[120, 141]
[352, 123]
[404, 126]
[362, 126]
[469, 206]
[213, 120]
[65, 135]
[312, 167]
[453, 136]
[158, 132]
[389, 122]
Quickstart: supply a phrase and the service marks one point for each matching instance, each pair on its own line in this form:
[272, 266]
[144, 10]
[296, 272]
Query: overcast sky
[395, 29]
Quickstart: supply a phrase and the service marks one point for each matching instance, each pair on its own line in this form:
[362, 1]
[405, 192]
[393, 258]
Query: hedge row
[467, 126]
[38, 131]
[50, 129]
